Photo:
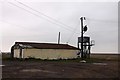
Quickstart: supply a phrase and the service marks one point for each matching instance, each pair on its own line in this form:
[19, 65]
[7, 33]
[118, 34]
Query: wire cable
[40, 16]
[73, 30]
[73, 33]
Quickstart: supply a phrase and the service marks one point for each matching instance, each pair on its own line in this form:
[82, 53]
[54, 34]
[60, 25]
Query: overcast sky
[42, 21]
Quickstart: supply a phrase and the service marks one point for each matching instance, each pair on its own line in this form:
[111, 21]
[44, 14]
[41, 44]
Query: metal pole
[78, 44]
[89, 50]
[59, 38]
[82, 54]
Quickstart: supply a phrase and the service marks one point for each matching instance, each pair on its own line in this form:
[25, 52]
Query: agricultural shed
[43, 50]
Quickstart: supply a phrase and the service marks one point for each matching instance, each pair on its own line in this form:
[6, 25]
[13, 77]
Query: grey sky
[21, 25]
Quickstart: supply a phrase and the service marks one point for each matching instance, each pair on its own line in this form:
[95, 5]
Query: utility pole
[85, 41]
[81, 37]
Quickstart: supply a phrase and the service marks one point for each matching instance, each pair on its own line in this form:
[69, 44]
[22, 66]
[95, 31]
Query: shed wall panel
[16, 53]
[46, 53]
[50, 53]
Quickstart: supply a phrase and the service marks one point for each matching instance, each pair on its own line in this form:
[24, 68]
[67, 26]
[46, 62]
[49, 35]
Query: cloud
[21, 25]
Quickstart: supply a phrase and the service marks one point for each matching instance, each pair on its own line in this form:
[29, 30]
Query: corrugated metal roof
[46, 45]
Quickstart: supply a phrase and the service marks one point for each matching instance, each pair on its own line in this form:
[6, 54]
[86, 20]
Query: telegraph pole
[85, 41]
[82, 54]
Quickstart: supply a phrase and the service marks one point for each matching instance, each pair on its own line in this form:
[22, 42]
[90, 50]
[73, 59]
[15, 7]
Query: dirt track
[59, 69]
